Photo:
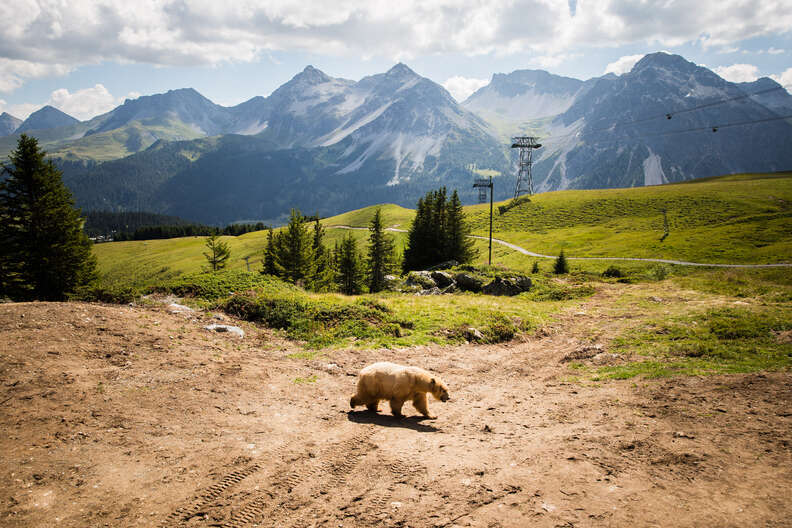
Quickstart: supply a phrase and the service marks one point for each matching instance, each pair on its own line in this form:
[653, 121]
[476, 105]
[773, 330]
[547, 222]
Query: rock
[392, 282]
[583, 352]
[501, 286]
[225, 328]
[452, 288]
[431, 291]
[421, 278]
[467, 282]
[178, 308]
[523, 283]
[473, 335]
[442, 278]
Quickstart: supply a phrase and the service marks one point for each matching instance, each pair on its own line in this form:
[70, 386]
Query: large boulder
[422, 279]
[510, 286]
[467, 282]
[442, 279]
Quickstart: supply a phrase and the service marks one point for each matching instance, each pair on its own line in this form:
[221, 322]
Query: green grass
[717, 341]
[734, 219]
[389, 320]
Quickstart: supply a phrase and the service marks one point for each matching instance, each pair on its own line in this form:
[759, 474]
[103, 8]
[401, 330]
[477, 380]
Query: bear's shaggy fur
[397, 384]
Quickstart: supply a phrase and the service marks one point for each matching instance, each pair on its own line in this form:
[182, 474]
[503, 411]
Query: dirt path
[132, 416]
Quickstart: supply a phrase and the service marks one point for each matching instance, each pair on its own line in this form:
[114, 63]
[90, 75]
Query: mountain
[317, 143]
[8, 124]
[523, 95]
[619, 133]
[326, 144]
[46, 117]
[770, 94]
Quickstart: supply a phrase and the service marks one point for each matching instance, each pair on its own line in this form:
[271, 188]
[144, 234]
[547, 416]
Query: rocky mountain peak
[46, 117]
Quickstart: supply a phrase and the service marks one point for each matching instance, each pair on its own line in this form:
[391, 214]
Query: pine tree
[349, 275]
[438, 233]
[294, 252]
[381, 254]
[459, 245]
[322, 276]
[269, 255]
[561, 266]
[218, 254]
[535, 267]
[44, 253]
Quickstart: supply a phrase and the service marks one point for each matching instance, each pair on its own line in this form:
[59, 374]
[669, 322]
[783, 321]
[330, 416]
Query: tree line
[136, 225]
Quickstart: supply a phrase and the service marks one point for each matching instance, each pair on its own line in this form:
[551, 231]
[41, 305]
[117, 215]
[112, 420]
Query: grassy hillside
[732, 219]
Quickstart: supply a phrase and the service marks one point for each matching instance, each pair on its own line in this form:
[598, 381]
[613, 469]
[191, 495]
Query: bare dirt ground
[133, 416]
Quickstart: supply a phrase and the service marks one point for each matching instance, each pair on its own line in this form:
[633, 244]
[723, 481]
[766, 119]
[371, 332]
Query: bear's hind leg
[419, 402]
[396, 407]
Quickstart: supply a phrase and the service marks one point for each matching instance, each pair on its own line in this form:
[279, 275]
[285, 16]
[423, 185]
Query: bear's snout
[444, 398]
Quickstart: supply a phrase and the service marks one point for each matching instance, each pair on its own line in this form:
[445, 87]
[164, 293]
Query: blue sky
[87, 57]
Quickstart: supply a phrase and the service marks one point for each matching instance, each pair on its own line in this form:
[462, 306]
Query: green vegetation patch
[216, 285]
[720, 340]
[320, 321]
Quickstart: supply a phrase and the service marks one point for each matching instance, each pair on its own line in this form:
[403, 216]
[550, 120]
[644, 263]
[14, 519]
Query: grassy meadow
[657, 319]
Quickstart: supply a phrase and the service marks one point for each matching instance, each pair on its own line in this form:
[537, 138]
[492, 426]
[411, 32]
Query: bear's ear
[433, 382]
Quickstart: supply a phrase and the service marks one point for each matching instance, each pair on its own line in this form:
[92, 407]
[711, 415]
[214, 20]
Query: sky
[87, 56]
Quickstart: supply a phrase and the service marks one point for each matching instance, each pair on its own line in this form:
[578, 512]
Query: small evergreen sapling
[561, 265]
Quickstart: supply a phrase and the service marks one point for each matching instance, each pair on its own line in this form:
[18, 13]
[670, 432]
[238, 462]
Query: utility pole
[482, 185]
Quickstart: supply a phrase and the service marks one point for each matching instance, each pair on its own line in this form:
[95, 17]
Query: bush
[658, 272]
[535, 267]
[113, 294]
[319, 323]
[613, 272]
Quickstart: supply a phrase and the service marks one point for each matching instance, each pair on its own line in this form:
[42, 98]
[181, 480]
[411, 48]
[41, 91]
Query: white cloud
[776, 51]
[738, 72]
[623, 64]
[82, 104]
[461, 87]
[58, 36]
[14, 72]
[784, 79]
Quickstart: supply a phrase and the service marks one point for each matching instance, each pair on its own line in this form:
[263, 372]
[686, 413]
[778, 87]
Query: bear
[397, 384]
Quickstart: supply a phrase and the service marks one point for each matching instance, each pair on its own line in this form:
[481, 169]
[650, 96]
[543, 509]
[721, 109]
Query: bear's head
[439, 390]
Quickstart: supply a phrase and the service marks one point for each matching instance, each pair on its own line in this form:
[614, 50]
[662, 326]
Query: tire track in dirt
[209, 495]
[299, 482]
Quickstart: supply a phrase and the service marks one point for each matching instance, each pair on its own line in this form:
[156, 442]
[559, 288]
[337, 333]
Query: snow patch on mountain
[653, 170]
[254, 128]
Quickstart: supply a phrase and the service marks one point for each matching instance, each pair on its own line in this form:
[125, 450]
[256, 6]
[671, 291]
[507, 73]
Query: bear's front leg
[396, 407]
[373, 406]
[420, 403]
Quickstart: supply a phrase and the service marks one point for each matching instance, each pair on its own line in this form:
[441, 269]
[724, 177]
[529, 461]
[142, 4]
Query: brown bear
[397, 384]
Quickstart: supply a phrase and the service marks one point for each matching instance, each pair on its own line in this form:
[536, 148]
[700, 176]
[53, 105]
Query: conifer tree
[561, 265]
[269, 255]
[349, 275]
[294, 251]
[381, 254]
[218, 253]
[44, 253]
[459, 246]
[438, 233]
[322, 276]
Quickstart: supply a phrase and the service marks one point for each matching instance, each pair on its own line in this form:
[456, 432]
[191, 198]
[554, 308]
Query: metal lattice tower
[526, 144]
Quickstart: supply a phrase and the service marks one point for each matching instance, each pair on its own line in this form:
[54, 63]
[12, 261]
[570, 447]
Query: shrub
[613, 272]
